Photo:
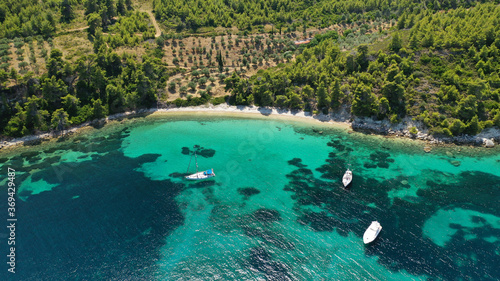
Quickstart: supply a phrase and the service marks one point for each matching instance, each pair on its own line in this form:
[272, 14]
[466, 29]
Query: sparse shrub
[171, 86]
[413, 130]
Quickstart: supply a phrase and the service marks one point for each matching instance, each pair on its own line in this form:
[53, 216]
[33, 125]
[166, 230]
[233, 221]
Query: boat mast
[196, 161]
[190, 159]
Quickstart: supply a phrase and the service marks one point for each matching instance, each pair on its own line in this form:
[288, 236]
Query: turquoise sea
[112, 204]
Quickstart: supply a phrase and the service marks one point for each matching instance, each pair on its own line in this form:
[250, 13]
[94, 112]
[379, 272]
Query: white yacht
[347, 178]
[372, 232]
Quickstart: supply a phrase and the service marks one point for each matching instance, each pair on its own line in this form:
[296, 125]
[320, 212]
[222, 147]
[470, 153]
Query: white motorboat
[201, 175]
[347, 178]
[372, 232]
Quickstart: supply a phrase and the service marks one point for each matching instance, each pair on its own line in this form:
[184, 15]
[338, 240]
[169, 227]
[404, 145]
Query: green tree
[205, 71]
[202, 81]
[392, 74]
[55, 64]
[192, 85]
[120, 7]
[94, 21]
[67, 13]
[467, 108]
[4, 77]
[36, 116]
[473, 126]
[16, 127]
[70, 104]
[53, 89]
[428, 40]
[128, 4]
[362, 57]
[365, 101]
[402, 21]
[220, 61]
[384, 108]
[98, 41]
[448, 94]
[395, 95]
[457, 127]
[307, 91]
[232, 81]
[323, 98]
[336, 94]
[396, 43]
[59, 120]
[351, 65]
[171, 86]
[92, 79]
[496, 119]
[98, 109]
[267, 99]
[413, 130]
[295, 102]
[13, 74]
[414, 43]
[281, 101]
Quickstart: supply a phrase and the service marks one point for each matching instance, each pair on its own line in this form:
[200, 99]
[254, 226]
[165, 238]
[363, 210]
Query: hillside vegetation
[193, 14]
[446, 75]
[65, 62]
[21, 18]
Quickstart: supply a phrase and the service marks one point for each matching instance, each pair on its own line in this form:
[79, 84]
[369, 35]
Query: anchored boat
[372, 232]
[347, 178]
[199, 175]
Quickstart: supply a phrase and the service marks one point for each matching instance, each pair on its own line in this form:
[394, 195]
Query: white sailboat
[347, 178]
[199, 175]
[372, 232]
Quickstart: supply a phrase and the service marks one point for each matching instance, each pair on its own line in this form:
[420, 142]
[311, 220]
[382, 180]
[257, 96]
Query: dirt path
[153, 20]
[73, 30]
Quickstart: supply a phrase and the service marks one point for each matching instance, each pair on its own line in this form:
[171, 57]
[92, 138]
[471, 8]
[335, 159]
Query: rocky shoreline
[488, 138]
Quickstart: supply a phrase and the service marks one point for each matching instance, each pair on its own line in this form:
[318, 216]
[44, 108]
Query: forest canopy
[446, 75]
[22, 18]
[437, 62]
[192, 14]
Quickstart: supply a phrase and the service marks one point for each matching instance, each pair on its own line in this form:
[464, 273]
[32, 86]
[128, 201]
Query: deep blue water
[113, 205]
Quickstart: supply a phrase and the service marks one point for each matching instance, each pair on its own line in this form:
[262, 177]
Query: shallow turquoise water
[113, 205]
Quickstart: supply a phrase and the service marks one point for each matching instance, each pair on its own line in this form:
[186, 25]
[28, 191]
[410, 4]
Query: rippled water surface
[113, 205]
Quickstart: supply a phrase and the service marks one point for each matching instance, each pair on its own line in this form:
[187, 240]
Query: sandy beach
[256, 112]
[223, 110]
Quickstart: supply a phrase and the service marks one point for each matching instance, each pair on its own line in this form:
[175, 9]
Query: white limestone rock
[489, 143]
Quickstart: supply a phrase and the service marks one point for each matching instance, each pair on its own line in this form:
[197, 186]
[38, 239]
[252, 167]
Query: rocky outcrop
[489, 143]
[402, 129]
[370, 127]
